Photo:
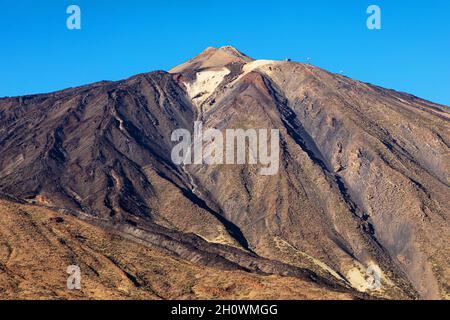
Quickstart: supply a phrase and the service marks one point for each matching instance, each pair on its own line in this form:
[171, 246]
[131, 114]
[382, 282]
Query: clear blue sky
[121, 38]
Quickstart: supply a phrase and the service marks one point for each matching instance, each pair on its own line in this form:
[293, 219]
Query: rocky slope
[37, 245]
[363, 180]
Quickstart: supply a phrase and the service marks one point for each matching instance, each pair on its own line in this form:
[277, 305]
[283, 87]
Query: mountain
[362, 185]
[38, 244]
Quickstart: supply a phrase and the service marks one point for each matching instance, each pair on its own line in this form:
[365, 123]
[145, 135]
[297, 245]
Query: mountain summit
[358, 209]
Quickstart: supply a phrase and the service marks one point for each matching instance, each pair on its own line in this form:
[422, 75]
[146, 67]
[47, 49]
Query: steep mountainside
[38, 244]
[363, 179]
